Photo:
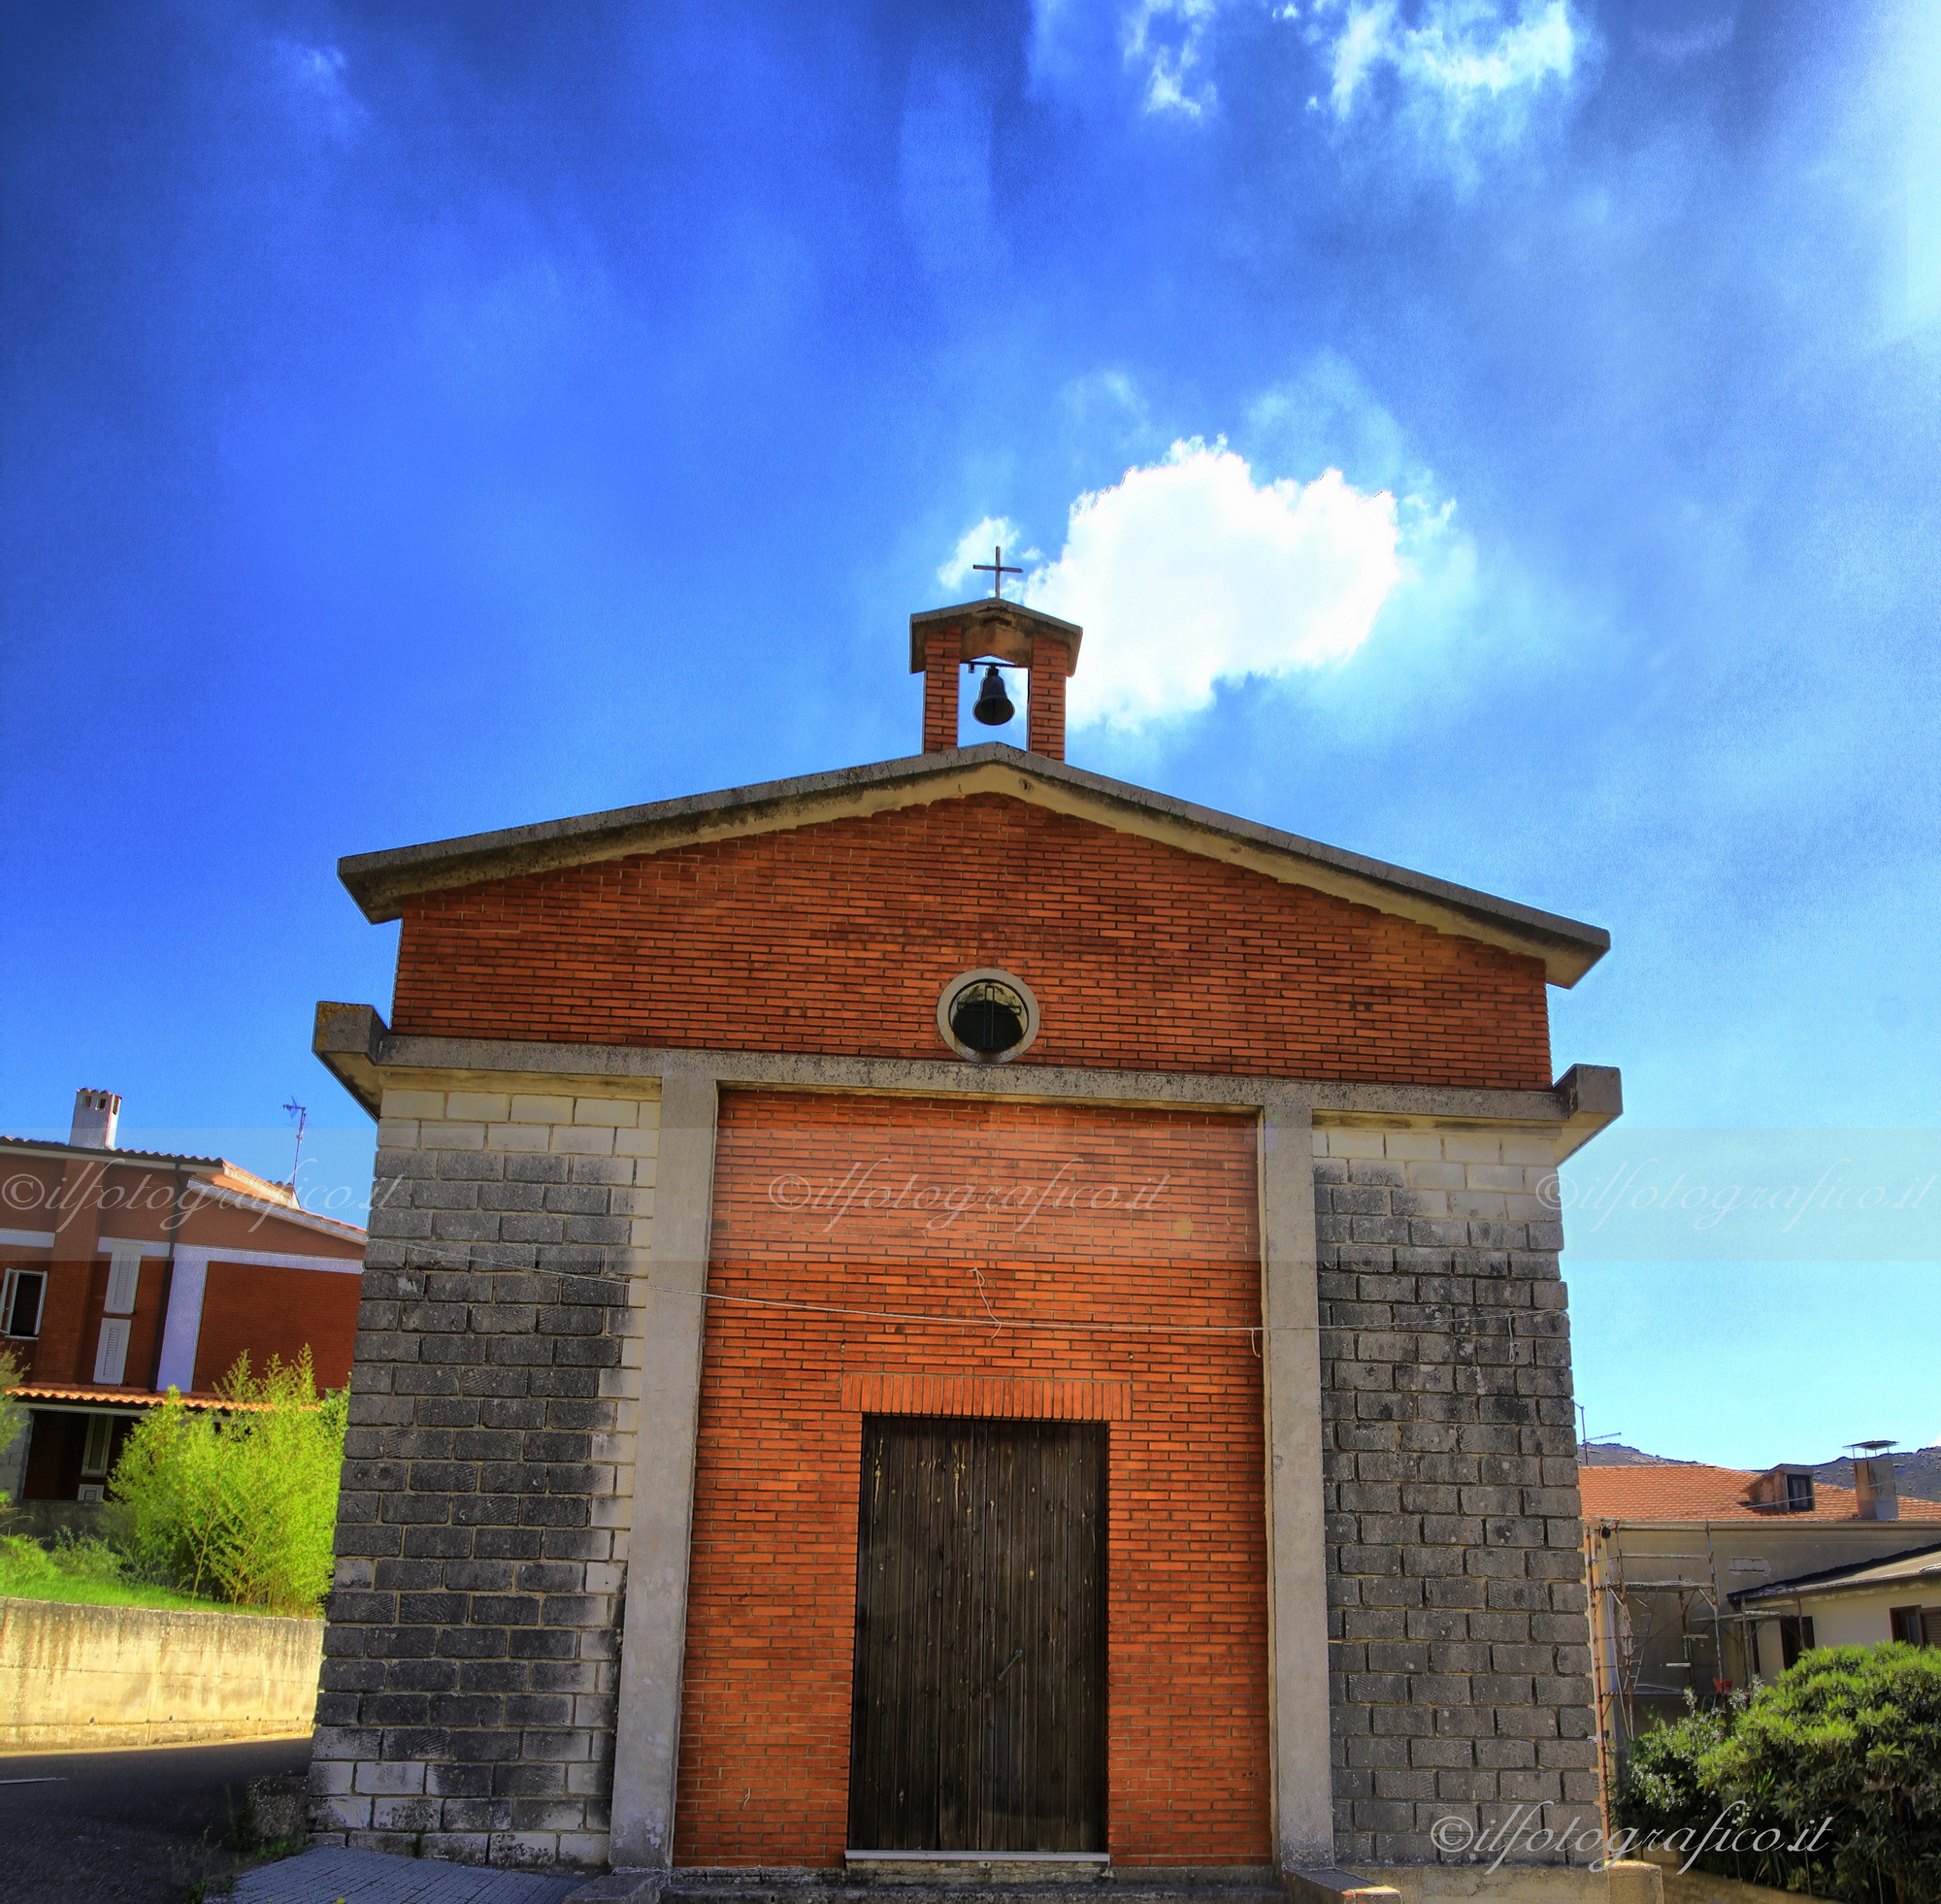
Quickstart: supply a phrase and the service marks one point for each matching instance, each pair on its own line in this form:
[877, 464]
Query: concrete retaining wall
[100, 1676]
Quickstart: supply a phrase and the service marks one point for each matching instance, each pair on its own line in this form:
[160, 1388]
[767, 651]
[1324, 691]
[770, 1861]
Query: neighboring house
[1860, 1604]
[125, 1273]
[1672, 1548]
[970, 1183]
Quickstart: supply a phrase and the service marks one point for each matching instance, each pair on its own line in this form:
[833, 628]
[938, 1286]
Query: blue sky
[420, 420]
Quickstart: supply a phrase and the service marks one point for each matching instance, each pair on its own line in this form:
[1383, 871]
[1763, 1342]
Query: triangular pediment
[384, 883]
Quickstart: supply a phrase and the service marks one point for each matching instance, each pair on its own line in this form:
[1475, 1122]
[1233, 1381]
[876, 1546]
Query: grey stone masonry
[1459, 1640]
[467, 1706]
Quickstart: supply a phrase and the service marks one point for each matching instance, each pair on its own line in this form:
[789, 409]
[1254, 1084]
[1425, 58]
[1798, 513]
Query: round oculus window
[987, 1016]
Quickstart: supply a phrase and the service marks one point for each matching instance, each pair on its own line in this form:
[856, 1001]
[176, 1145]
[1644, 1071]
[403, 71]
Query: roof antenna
[302, 1116]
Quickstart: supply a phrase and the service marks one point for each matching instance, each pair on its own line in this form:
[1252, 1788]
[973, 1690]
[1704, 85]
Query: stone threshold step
[983, 1882]
[1000, 1887]
[1002, 1884]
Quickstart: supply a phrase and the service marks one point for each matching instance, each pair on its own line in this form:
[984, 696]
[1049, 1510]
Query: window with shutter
[111, 1359]
[124, 1273]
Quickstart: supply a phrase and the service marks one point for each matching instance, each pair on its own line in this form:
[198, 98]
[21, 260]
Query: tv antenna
[302, 1116]
[1586, 1440]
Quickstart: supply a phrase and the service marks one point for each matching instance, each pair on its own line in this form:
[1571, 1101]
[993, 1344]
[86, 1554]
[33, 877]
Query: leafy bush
[240, 1501]
[13, 1412]
[1852, 1731]
[87, 1557]
[1661, 1787]
[1849, 1733]
[88, 1572]
[26, 1563]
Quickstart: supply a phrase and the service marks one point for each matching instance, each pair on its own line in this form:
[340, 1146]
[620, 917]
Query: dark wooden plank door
[979, 1719]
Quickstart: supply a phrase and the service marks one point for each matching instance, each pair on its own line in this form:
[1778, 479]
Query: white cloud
[1463, 71]
[1165, 39]
[1188, 572]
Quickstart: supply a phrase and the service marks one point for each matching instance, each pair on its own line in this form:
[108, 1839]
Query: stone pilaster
[1460, 1643]
[470, 1655]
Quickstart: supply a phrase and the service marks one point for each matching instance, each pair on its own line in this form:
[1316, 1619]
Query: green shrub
[1661, 1787]
[95, 1576]
[239, 1502]
[40, 1571]
[25, 1565]
[1852, 1732]
[12, 1411]
[1849, 1734]
[87, 1556]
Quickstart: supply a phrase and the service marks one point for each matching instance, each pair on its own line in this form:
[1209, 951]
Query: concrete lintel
[1299, 1722]
[356, 1046]
[1592, 1095]
[993, 625]
[349, 1039]
[653, 1646]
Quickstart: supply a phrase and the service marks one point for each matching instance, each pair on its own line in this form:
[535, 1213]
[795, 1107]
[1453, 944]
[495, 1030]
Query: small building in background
[1864, 1603]
[1678, 1555]
[127, 1273]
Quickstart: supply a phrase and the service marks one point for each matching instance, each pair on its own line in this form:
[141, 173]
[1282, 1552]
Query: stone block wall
[1459, 1646]
[469, 1657]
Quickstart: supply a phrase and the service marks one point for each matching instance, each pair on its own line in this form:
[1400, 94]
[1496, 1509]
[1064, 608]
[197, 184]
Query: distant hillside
[1614, 1454]
[1919, 1469]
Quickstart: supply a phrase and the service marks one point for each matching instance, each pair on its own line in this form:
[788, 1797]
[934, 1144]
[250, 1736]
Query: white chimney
[1874, 1482]
[95, 1115]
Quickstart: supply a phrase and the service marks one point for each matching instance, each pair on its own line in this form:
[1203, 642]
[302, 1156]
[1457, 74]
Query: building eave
[1697, 1523]
[130, 1159]
[381, 882]
[235, 1200]
[1852, 1577]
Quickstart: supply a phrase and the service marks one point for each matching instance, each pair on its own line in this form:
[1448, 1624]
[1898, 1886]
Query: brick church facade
[955, 1306]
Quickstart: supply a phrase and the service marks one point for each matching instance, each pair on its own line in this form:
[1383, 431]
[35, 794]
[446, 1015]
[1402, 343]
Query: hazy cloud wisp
[1164, 40]
[1461, 69]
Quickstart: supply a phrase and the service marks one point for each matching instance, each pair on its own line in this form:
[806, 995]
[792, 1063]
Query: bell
[993, 706]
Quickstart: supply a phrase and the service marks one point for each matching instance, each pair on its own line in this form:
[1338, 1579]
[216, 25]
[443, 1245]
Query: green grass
[84, 1573]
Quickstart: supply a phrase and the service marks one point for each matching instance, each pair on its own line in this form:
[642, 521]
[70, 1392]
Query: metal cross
[997, 568]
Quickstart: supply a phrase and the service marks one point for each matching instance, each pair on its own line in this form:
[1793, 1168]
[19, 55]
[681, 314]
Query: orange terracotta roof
[53, 1146]
[33, 1391]
[1690, 1491]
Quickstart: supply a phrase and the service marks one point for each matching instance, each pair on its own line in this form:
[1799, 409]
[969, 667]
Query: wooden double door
[979, 1706]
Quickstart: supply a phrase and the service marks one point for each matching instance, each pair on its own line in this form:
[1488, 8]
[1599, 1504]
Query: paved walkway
[331, 1875]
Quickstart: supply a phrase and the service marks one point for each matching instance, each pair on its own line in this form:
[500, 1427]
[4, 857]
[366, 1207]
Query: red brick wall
[839, 938]
[940, 692]
[56, 1354]
[1090, 1229]
[1045, 718]
[247, 1306]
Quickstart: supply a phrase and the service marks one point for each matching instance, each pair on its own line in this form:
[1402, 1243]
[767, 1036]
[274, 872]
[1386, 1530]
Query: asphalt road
[125, 1828]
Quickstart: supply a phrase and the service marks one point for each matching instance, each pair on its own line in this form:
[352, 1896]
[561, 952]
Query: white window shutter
[112, 1358]
[125, 1271]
